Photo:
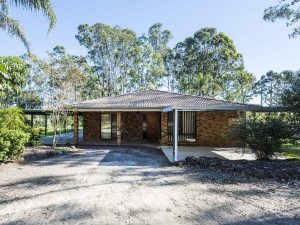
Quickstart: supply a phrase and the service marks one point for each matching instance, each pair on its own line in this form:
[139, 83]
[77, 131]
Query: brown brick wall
[91, 126]
[211, 128]
[132, 126]
[129, 129]
[164, 129]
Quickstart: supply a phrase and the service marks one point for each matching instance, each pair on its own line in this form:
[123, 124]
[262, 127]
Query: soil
[285, 170]
[122, 185]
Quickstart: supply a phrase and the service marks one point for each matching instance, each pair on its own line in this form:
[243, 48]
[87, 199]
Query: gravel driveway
[120, 185]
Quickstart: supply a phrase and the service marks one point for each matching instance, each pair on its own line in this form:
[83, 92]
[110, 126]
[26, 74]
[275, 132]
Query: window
[186, 126]
[106, 126]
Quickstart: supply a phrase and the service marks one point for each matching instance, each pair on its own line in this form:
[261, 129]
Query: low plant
[36, 135]
[12, 144]
[263, 134]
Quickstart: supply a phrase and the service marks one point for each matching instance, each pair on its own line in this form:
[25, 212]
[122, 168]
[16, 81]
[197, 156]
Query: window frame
[113, 131]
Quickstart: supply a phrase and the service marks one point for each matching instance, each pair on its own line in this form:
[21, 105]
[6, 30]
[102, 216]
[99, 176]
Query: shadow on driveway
[134, 156]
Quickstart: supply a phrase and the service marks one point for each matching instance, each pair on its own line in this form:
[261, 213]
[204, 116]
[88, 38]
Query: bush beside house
[36, 135]
[263, 134]
[13, 135]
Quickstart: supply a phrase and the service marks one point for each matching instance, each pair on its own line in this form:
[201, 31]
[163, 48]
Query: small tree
[63, 77]
[263, 134]
[60, 111]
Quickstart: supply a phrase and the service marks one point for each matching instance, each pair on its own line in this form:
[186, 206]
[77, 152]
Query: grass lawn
[50, 133]
[291, 150]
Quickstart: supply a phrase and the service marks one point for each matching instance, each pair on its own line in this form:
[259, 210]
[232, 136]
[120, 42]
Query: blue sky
[265, 46]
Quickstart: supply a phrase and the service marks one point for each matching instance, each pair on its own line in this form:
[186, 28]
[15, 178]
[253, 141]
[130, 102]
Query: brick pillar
[164, 129]
[75, 128]
[119, 134]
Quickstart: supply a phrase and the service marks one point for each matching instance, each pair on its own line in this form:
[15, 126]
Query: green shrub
[264, 134]
[13, 134]
[12, 144]
[12, 119]
[36, 136]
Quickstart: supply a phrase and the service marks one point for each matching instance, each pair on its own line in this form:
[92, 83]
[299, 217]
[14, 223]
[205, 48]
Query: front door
[152, 126]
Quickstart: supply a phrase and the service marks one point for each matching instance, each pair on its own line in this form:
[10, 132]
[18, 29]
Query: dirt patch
[43, 152]
[281, 170]
[120, 185]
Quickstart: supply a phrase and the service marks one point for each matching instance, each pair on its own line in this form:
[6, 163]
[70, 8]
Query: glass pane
[105, 126]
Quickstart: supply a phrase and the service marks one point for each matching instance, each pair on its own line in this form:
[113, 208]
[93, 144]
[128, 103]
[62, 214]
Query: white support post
[175, 134]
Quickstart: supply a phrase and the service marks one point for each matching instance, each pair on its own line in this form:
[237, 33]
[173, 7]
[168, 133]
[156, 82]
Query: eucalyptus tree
[149, 67]
[170, 66]
[241, 87]
[111, 50]
[159, 38]
[208, 63]
[287, 10]
[121, 60]
[290, 93]
[268, 88]
[13, 27]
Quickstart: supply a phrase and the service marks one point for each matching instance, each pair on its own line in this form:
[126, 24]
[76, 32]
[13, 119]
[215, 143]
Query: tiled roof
[151, 99]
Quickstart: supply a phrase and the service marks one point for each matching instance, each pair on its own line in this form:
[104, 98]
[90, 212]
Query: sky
[265, 46]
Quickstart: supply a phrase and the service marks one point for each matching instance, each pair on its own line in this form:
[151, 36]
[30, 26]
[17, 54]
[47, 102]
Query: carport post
[175, 134]
[75, 128]
[46, 124]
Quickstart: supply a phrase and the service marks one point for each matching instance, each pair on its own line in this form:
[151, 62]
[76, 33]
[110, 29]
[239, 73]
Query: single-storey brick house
[153, 116]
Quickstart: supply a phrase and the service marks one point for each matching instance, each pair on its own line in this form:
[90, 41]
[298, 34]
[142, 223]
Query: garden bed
[283, 170]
